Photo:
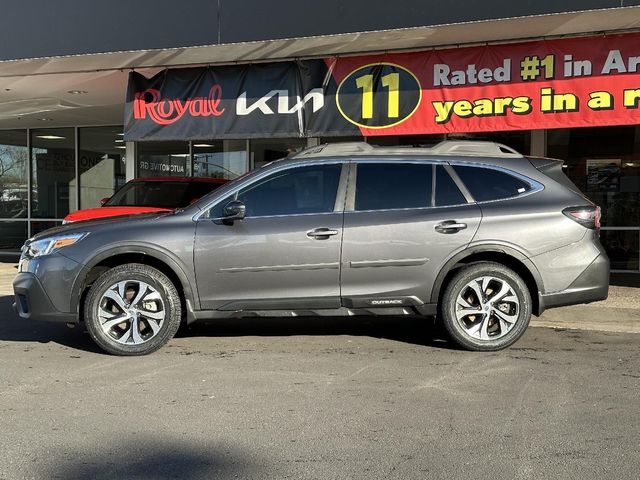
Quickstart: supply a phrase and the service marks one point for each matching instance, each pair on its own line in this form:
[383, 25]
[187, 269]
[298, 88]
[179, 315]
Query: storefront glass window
[101, 164]
[163, 159]
[219, 159]
[14, 172]
[265, 151]
[53, 169]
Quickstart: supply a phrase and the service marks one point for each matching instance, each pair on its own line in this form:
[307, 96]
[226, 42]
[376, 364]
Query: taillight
[586, 216]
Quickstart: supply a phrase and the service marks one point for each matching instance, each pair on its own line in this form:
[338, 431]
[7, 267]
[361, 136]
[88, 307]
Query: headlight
[50, 245]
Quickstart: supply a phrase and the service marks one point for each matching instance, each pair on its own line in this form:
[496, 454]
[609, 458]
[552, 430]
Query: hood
[81, 226]
[103, 212]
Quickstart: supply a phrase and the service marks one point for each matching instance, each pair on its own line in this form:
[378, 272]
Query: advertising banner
[575, 82]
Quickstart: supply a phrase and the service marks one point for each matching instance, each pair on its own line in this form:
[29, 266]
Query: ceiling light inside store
[202, 145]
[50, 137]
[630, 164]
[119, 140]
[120, 146]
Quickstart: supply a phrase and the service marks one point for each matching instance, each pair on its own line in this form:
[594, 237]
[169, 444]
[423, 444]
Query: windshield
[160, 194]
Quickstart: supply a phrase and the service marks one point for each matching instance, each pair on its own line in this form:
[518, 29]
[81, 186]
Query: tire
[503, 312]
[144, 299]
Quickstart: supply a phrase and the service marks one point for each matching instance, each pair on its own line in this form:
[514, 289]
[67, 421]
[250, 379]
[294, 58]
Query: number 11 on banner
[390, 81]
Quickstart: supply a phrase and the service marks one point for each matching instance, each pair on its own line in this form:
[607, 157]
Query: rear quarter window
[486, 184]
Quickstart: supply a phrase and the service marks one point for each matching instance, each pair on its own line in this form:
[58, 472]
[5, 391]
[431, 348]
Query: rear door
[403, 220]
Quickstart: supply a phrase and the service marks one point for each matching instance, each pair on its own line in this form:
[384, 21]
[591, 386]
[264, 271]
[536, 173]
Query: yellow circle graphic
[379, 95]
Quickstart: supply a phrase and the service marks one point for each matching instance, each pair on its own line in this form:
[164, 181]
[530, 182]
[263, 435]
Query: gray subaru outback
[470, 232]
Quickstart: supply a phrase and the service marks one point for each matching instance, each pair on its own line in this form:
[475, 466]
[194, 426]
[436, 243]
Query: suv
[149, 195]
[471, 232]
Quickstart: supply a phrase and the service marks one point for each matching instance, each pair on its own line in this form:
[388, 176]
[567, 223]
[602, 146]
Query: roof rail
[340, 148]
[446, 147]
[471, 147]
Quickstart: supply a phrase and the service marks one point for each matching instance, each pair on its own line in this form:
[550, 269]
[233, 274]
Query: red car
[149, 195]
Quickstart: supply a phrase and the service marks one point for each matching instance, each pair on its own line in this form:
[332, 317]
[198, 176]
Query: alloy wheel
[131, 312]
[487, 308]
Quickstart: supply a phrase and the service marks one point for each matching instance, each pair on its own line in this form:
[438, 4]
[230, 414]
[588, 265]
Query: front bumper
[32, 301]
[43, 289]
[592, 285]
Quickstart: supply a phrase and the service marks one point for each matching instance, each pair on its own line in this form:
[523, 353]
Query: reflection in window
[622, 247]
[53, 167]
[101, 164]
[266, 151]
[163, 159]
[14, 171]
[219, 159]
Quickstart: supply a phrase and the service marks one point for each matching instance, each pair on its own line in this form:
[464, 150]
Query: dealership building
[93, 94]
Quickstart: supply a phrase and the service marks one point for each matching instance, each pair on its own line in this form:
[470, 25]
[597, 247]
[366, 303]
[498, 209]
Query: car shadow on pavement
[407, 329]
[143, 457]
[16, 329]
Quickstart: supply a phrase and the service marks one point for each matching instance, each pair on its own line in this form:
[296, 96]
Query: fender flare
[486, 248]
[150, 250]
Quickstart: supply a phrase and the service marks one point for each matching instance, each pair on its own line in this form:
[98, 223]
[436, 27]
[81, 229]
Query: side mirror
[104, 200]
[234, 210]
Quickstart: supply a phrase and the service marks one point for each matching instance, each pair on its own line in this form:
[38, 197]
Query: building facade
[112, 90]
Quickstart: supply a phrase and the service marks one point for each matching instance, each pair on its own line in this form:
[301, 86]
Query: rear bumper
[32, 302]
[592, 285]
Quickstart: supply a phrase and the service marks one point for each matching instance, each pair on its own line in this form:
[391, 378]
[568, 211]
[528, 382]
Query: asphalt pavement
[318, 398]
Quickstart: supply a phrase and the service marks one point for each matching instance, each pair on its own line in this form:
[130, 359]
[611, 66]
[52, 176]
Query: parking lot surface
[318, 398]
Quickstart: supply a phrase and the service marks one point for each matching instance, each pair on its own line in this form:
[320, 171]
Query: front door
[285, 254]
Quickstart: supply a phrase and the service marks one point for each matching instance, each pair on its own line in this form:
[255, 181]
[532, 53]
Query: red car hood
[103, 212]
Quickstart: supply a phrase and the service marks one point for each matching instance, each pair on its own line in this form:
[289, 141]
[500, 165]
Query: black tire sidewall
[143, 273]
[464, 276]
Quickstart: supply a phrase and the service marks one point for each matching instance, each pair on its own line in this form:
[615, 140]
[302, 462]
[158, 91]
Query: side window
[294, 191]
[447, 192]
[488, 184]
[382, 186]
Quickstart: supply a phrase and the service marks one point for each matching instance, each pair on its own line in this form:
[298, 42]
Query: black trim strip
[403, 262]
[283, 268]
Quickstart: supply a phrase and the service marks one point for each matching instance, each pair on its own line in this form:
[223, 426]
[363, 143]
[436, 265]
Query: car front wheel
[132, 309]
[486, 306]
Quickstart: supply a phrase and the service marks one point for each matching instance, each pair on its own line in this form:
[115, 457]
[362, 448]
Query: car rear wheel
[486, 306]
[132, 309]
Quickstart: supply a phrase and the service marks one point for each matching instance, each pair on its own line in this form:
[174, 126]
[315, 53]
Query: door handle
[450, 226]
[321, 233]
